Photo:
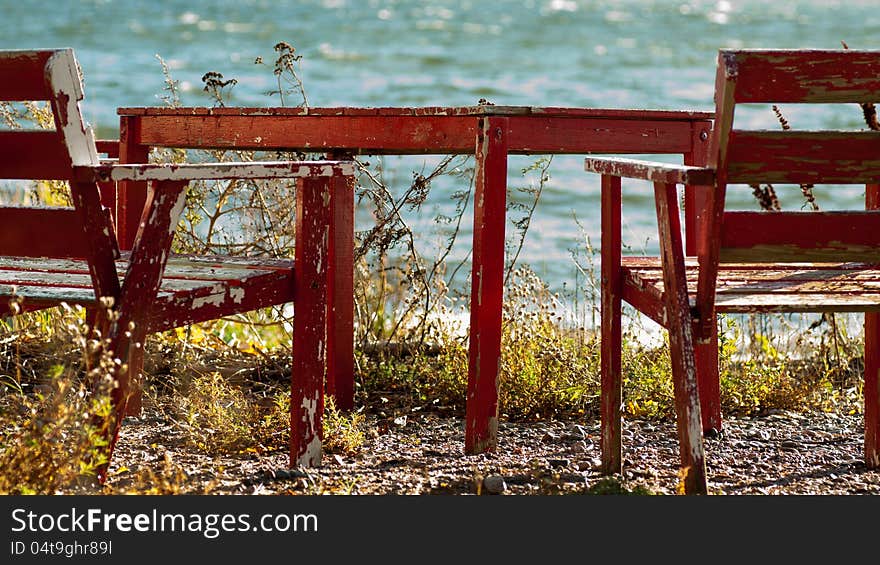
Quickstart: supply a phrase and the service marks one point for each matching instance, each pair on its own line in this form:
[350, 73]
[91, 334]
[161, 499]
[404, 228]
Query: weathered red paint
[612, 291]
[33, 154]
[490, 201]
[684, 296]
[22, 74]
[800, 157]
[340, 293]
[802, 75]
[131, 196]
[801, 236]
[89, 268]
[28, 238]
[141, 284]
[872, 363]
[652, 171]
[430, 130]
[681, 345]
[309, 322]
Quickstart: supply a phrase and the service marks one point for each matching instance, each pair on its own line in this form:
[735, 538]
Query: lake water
[594, 53]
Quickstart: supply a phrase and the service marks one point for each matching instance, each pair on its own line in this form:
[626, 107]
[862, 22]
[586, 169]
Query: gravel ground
[422, 453]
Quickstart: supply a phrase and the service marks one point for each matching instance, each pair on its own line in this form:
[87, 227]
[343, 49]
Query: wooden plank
[130, 196]
[649, 170]
[439, 111]
[42, 232]
[797, 303]
[612, 341]
[186, 267]
[803, 75]
[537, 134]
[28, 154]
[648, 263]
[487, 286]
[110, 147]
[49, 295]
[22, 74]
[695, 196]
[800, 157]
[310, 322]
[800, 236]
[872, 390]
[213, 171]
[355, 134]
[872, 364]
[681, 345]
[63, 76]
[340, 294]
[409, 133]
[647, 299]
[708, 380]
[182, 307]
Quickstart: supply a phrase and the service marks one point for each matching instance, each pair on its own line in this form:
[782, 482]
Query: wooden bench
[50, 256]
[748, 261]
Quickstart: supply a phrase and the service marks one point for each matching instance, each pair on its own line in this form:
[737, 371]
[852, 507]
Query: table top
[427, 111]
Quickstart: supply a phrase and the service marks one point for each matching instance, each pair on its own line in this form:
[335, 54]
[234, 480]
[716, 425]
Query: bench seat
[194, 288]
[755, 287]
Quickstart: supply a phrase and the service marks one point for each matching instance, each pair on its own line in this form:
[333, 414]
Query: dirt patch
[423, 453]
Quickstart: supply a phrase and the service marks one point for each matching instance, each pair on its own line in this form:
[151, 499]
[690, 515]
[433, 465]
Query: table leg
[487, 286]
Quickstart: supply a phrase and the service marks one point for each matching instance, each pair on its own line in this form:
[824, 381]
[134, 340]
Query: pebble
[576, 433]
[494, 484]
[582, 446]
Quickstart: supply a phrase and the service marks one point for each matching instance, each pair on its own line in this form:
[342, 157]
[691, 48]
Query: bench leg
[681, 342]
[309, 366]
[708, 383]
[340, 293]
[612, 380]
[872, 390]
[142, 280]
[134, 400]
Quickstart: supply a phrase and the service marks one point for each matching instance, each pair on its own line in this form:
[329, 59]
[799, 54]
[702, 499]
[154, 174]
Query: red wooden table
[489, 132]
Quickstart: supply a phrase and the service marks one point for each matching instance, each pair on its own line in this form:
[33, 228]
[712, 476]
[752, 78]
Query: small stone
[596, 463]
[581, 447]
[558, 462]
[494, 484]
[549, 437]
[789, 444]
[576, 433]
[584, 466]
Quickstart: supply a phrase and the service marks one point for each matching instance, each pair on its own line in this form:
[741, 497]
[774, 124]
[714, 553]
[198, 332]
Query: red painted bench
[50, 256]
[748, 261]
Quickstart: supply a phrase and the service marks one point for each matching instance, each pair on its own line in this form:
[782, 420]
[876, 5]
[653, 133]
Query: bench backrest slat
[23, 75]
[37, 154]
[803, 75]
[803, 157]
[790, 156]
[53, 76]
[786, 156]
[29, 237]
[801, 236]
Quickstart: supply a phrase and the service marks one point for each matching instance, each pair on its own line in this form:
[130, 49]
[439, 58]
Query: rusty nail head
[704, 135]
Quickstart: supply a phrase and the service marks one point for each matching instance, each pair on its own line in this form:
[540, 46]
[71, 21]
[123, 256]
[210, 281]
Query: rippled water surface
[598, 53]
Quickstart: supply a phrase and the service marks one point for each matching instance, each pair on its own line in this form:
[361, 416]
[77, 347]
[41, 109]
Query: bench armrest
[212, 171]
[650, 170]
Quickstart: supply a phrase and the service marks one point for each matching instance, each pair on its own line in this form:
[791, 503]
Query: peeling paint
[236, 294]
